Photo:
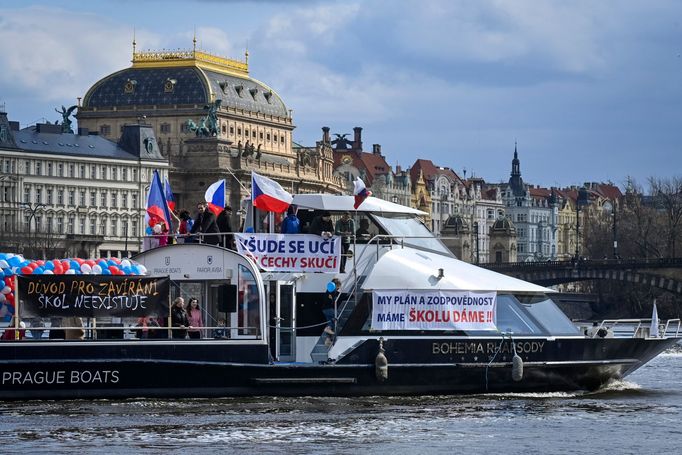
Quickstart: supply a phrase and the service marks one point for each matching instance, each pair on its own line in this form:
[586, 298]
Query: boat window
[551, 317]
[512, 318]
[412, 231]
[248, 311]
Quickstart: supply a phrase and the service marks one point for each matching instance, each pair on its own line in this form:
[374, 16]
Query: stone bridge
[661, 273]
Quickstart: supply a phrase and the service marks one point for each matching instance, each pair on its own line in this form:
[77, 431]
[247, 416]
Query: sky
[588, 90]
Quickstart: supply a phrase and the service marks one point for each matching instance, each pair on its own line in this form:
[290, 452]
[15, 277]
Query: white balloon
[143, 269]
[96, 269]
[3, 299]
[70, 272]
[85, 268]
[6, 290]
[3, 264]
[125, 263]
[48, 272]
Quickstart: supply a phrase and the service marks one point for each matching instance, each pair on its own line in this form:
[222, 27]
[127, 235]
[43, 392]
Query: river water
[640, 415]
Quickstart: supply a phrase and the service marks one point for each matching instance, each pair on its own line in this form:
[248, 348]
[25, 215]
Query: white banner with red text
[291, 252]
[434, 310]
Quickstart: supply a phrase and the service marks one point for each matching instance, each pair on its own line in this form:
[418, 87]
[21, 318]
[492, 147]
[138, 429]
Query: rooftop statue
[200, 129]
[212, 117]
[66, 113]
[341, 142]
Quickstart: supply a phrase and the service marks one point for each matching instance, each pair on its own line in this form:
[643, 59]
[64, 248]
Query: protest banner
[291, 252]
[92, 295]
[434, 310]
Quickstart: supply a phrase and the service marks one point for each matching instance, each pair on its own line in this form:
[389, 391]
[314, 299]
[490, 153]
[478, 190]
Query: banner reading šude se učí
[291, 252]
[92, 295]
[434, 310]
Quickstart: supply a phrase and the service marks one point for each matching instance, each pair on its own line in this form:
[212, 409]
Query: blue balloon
[73, 264]
[14, 261]
[38, 271]
[49, 265]
[331, 286]
[106, 272]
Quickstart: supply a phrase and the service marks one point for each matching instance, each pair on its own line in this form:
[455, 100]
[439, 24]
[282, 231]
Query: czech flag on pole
[157, 207]
[268, 195]
[170, 200]
[360, 192]
[215, 197]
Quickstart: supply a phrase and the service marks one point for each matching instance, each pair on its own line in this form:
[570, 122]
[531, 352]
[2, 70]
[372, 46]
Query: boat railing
[91, 331]
[634, 328]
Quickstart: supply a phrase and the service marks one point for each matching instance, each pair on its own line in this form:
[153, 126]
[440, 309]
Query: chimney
[48, 128]
[398, 169]
[376, 149]
[357, 139]
[325, 135]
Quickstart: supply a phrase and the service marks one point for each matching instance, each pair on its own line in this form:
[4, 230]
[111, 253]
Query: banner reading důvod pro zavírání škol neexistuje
[92, 295]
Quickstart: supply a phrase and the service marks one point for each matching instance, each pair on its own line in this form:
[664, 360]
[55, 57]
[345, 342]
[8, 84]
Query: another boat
[410, 319]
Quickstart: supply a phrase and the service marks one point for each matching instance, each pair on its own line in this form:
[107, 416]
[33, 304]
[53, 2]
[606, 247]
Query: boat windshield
[547, 313]
[411, 230]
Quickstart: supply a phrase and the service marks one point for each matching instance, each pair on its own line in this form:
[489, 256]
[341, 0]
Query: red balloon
[26, 270]
[90, 262]
[79, 260]
[33, 265]
[66, 265]
[56, 262]
[9, 281]
[113, 269]
[58, 270]
[116, 260]
[10, 297]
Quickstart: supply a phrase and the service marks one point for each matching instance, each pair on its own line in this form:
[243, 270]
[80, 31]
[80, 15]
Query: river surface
[640, 415]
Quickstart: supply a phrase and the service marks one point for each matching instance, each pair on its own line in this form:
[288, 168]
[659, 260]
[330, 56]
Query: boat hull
[165, 369]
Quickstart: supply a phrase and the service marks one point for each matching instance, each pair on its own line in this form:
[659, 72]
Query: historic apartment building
[534, 214]
[213, 121]
[64, 194]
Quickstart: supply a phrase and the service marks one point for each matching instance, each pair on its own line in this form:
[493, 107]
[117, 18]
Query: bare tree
[667, 197]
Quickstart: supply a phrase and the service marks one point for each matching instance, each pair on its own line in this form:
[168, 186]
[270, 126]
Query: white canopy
[345, 203]
[413, 269]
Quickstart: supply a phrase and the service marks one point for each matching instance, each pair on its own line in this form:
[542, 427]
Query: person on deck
[345, 227]
[322, 225]
[205, 224]
[179, 320]
[194, 318]
[225, 228]
[291, 224]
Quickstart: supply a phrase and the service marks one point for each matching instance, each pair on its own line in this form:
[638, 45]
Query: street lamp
[31, 208]
[478, 258]
[581, 201]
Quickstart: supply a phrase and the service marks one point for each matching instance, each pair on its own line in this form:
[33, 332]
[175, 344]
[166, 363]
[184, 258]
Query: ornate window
[105, 130]
[169, 85]
[129, 86]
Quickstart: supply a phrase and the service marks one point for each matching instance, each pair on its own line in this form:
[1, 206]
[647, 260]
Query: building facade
[66, 194]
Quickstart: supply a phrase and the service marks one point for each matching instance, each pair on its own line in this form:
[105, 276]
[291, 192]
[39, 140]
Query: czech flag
[157, 207]
[170, 200]
[215, 196]
[268, 195]
[360, 192]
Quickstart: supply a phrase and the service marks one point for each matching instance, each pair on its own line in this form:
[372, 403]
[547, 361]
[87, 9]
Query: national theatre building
[212, 121]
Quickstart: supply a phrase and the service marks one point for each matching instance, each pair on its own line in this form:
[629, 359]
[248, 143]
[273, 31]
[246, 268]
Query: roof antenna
[246, 53]
[134, 43]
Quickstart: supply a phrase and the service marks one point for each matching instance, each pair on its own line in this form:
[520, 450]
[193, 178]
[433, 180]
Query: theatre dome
[183, 78]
